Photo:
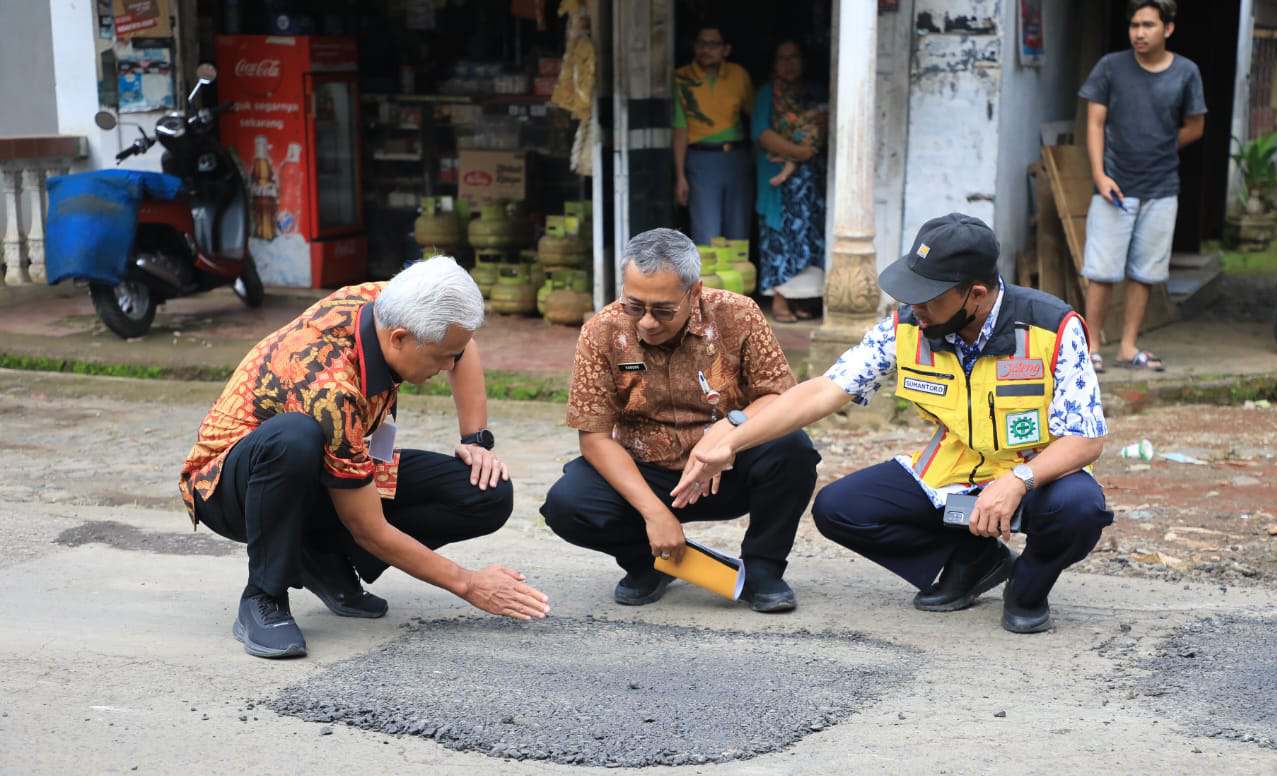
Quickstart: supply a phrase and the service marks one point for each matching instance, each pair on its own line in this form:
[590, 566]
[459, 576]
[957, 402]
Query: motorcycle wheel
[248, 286]
[127, 308]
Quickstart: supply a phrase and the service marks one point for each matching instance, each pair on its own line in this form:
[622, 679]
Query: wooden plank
[1051, 243]
[1068, 170]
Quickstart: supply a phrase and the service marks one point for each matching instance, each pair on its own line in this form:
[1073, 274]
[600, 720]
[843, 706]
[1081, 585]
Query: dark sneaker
[331, 577]
[960, 584]
[645, 588]
[267, 628]
[768, 594]
[1024, 619]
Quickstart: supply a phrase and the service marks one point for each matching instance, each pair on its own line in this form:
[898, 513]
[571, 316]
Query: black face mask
[956, 323]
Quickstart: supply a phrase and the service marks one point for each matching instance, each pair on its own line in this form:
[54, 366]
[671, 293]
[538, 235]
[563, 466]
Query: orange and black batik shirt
[326, 363]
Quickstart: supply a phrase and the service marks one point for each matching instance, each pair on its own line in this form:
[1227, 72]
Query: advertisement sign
[142, 18]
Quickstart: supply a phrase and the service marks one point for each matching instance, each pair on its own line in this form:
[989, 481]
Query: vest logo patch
[1021, 369]
[923, 250]
[925, 386]
[1023, 428]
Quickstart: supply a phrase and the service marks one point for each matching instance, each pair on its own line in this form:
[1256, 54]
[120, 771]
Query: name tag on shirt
[635, 366]
[381, 445]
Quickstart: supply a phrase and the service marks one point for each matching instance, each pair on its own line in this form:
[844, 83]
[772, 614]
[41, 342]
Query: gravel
[601, 693]
[1220, 676]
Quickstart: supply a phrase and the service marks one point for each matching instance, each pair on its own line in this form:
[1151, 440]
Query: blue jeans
[721, 197]
[881, 513]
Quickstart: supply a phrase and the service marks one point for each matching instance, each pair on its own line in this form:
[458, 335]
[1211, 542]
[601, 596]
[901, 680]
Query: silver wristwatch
[1025, 475]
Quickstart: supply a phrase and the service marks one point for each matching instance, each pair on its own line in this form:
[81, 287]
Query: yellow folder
[707, 568]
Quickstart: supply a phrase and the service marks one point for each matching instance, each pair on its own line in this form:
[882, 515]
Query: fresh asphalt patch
[601, 692]
[1219, 675]
[126, 537]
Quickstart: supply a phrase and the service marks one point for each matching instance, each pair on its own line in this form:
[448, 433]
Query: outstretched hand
[702, 474]
[501, 590]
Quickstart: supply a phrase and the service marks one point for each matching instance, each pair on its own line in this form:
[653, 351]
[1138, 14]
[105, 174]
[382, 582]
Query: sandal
[1143, 360]
[1097, 362]
[786, 318]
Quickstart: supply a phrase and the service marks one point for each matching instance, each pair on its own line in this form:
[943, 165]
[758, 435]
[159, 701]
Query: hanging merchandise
[145, 78]
[575, 90]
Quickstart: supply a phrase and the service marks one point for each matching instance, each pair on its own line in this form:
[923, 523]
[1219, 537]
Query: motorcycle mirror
[105, 120]
[206, 72]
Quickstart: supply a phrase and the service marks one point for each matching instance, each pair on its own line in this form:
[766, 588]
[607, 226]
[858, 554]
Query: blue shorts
[1135, 243]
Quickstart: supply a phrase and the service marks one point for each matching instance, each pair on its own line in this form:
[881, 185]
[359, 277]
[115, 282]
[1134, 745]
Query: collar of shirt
[375, 375]
[986, 331]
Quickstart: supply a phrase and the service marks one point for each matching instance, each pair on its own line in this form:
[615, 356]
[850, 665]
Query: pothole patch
[126, 537]
[1219, 675]
[600, 692]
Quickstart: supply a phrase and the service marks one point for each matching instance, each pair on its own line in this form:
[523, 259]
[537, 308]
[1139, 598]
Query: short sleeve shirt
[649, 397]
[1145, 113]
[327, 364]
[710, 109]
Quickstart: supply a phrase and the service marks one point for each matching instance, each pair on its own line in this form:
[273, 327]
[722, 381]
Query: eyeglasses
[709, 44]
[661, 312]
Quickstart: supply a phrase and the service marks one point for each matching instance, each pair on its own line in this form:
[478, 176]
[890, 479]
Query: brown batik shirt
[326, 363]
[649, 398]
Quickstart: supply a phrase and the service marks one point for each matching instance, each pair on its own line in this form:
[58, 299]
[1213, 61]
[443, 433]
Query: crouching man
[297, 458]
[667, 368]
[1004, 375]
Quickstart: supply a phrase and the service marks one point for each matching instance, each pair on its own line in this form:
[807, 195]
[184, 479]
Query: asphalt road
[116, 654]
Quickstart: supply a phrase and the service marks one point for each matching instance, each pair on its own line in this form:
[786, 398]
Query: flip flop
[1097, 362]
[1143, 360]
[790, 318]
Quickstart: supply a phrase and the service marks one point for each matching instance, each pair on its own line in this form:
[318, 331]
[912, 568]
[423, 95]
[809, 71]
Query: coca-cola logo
[260, 77]
[477, 178]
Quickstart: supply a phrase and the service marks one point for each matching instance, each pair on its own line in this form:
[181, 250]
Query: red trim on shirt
[1059, 335]
[359, 348]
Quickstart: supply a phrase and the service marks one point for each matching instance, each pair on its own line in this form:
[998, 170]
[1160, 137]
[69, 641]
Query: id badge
[381, 445]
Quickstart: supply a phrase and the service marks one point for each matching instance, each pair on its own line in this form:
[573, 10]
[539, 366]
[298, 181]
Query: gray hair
[664, 249]
[428, 297]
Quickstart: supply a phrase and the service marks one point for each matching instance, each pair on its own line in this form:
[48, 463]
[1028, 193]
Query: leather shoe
[769, 595]
[640, 589]
[331, 577]
[960, 584]
[1023, 619]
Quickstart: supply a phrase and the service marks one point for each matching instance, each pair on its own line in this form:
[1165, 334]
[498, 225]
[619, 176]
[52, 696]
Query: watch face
[736, 417]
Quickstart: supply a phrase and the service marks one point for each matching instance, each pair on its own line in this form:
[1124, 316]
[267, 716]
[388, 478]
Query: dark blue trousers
[882, 513]
[773, 483]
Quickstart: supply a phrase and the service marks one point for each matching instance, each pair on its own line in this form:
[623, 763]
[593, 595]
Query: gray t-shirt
[1145, 113]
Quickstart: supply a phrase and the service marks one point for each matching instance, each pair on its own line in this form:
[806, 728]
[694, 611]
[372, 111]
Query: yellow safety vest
[997, 417]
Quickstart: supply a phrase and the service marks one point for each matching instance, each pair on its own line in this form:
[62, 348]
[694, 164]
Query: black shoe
[645, 588]
[267, 628]
[1024, 619]
[961, 583]
[331, 577]
[768, 594]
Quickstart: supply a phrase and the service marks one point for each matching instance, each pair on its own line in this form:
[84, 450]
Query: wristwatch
[736, 417]
[483, 438]
[1025, 475]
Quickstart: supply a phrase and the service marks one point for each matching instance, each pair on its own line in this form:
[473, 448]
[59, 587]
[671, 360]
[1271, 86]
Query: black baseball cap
[947, 251]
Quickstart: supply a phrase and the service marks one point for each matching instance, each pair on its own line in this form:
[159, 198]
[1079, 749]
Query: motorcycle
[192, 243]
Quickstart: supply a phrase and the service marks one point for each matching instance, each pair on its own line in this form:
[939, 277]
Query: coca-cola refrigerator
[295, 126]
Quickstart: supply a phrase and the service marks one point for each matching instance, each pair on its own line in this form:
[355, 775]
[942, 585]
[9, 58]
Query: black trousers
[773, 483]
[270, 497]
[882, 513]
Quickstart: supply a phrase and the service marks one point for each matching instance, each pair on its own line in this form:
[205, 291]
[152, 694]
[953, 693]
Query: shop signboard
[142, 18]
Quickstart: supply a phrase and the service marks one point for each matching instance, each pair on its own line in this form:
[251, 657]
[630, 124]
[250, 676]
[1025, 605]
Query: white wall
[74, 34]
[26, 70]
[891, 97]
[1029, 97]
[954, 94]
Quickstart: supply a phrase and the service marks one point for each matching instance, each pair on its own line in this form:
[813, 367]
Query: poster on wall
[142, 18]
[145, 80]
[1032, 45]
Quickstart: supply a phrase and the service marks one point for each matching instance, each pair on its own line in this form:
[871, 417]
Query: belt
[735, 145]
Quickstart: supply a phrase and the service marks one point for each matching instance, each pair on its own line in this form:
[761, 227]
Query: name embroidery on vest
[1021, 369]
[924, 386]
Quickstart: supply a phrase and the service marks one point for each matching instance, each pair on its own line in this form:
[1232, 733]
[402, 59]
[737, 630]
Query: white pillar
[33, 186]
[12, 246]
[851, 290]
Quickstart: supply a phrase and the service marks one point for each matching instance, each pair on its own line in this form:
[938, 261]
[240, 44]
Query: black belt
[725, 148]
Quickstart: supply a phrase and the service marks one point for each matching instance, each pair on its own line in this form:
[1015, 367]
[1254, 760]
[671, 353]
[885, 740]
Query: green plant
[1257, 165]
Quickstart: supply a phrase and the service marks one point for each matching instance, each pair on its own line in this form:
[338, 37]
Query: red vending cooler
[295, 125]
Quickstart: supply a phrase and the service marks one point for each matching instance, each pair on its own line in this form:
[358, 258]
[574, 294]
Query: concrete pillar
[33, 185]
[12, 244]
[851, 290]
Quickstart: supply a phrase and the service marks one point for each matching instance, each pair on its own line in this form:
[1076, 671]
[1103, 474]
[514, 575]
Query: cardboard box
[491, 176]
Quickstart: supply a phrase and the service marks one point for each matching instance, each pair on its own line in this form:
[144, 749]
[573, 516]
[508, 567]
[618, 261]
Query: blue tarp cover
[93, 219]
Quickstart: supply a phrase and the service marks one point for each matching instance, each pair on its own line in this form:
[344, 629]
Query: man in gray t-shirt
[1145, 104]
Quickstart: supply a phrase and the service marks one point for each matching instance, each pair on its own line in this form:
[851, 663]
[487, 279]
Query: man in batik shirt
[297, 458]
